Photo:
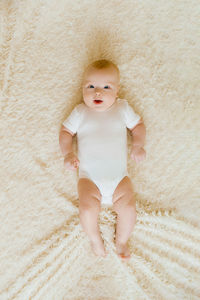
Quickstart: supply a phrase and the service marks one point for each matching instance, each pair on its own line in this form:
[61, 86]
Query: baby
[101, 124]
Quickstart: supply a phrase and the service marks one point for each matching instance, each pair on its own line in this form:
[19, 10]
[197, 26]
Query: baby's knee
[125, 204]
[89, 204]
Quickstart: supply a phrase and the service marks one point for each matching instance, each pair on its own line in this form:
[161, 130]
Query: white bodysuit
[102, 143]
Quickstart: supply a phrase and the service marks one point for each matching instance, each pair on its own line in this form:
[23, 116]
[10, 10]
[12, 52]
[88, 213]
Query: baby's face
[100, 88]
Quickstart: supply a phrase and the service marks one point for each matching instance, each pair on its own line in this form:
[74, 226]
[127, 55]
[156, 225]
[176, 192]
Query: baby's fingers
[71, 165]
[134, 157]
[75, 164]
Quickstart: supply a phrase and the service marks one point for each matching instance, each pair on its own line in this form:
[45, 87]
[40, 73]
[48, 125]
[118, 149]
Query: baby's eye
[106, 87]
[91, 86]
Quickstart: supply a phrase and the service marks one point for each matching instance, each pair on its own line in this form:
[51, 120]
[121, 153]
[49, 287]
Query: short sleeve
[73, 120]
[130, 117]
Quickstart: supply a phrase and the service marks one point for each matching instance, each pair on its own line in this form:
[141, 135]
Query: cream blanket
[45, 45]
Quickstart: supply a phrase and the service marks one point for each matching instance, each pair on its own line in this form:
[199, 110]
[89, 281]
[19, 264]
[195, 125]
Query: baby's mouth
[98, 101]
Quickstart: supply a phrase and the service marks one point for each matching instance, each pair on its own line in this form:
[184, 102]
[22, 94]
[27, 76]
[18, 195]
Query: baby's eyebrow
[104, 82]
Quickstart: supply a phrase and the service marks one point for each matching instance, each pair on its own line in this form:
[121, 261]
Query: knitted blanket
[45, 46]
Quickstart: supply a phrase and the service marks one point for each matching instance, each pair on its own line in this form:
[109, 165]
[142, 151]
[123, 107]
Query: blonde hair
[102, 64]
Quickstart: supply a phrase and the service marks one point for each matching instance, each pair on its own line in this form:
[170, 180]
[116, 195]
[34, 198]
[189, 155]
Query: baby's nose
[97, 91]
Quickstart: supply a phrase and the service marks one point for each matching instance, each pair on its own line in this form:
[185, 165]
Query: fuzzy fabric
[45, 46]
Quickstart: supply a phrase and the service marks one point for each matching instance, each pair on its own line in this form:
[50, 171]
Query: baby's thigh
[124, 196]
[124, 191]
[89, 194]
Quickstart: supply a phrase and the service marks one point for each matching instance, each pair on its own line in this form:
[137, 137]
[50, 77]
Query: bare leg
[89, 222]
[89, 209]
[126, 219]
[125, 207]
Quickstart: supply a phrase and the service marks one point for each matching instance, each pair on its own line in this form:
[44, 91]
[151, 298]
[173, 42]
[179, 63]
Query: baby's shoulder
[79, 107]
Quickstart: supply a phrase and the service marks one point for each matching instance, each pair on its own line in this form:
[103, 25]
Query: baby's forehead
[109, 75]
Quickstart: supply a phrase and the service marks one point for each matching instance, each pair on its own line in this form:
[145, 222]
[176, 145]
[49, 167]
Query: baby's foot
[123, 251]
[98, 247]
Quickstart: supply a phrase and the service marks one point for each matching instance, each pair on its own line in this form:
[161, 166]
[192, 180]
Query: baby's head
[100, 84]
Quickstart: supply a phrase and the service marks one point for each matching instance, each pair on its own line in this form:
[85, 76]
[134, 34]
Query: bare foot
[98, 247]
[123, 251]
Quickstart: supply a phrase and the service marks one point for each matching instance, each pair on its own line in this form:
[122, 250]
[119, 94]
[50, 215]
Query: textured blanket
[45, 46]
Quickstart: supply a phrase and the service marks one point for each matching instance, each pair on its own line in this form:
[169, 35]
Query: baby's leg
[124, 206]
[89, 208]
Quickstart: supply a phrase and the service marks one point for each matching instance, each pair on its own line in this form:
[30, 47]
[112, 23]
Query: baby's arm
[138, 139]
[66, 139]
[138, 134]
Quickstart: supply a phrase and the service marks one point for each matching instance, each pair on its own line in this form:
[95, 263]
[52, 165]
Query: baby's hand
[71, 162]
[138, 153]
